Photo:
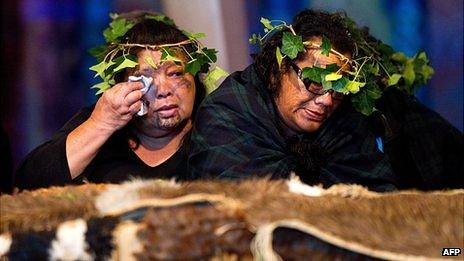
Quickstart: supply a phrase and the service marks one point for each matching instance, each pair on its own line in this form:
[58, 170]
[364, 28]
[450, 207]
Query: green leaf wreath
[374, 66]
[115, 55]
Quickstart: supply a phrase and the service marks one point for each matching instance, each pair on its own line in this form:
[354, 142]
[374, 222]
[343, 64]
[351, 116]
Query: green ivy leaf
[325, 46]
[408, 74]
[333, 67]
[212, 78]
[267, 24]
[101, 68]
[193, 66]
[291, 45]
[168, 55]
[399, 57]
[340, 85]
[385, 49]
[313, 73]
[108, 34]
[326, 85]
[118, 28]
[127, 63]
[354, 86]
[254, 39]
[427, 72]
[98, 52]
[279, 56]
[102, 87]
[210, 53]
[122, 27]
[363, 103]
[422, 56]
[373, 91]
[193, 36]
[374, 69]
[333, 77]
[394, 78]
[161, 18]
[422, 67]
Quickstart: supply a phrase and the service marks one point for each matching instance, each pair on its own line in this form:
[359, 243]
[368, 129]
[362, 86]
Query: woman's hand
[113, 111]
[117, 106]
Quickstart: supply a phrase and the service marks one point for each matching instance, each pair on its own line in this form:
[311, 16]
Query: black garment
[115, 162]
[237, 136]
[6, 163]
[425, 151]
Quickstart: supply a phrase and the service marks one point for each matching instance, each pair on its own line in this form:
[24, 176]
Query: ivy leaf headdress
[115, 55]
[374, 66]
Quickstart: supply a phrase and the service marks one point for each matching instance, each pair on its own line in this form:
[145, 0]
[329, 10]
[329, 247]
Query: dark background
[45, 76]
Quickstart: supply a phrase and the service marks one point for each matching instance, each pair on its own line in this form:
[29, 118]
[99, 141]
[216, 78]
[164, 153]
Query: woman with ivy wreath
[327, 101]
[137, 128]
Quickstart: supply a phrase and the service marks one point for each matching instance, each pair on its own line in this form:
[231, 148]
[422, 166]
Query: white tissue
[147, 83]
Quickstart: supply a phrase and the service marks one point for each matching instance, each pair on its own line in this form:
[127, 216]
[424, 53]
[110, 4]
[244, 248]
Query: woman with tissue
[141, 123]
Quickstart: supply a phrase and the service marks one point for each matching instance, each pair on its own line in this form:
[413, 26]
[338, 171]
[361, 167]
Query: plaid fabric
[424, 149]
[236, 135]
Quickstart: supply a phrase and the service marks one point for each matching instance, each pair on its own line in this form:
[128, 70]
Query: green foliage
[354, 86]
[364, 100]
[325, 46]
[115, 55]
[194, 35]
[212, 77]
[333, 77]
[167, 54]
[279, 56]
[255, 39]
[333, 67]
[98, 52]
[126, 63]
[210, 54]
[393, 79]
[314, 73]
[107, 70]
[193, 66]
[373, 67]
[292, 45]
[160, 18]
[408, 73]
[100, 68]
[267, 24]
[117, 29]
[399, 57]
[200, 60]
[340, 85]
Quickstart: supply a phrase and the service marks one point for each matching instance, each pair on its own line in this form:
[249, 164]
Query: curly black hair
[307, 24]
